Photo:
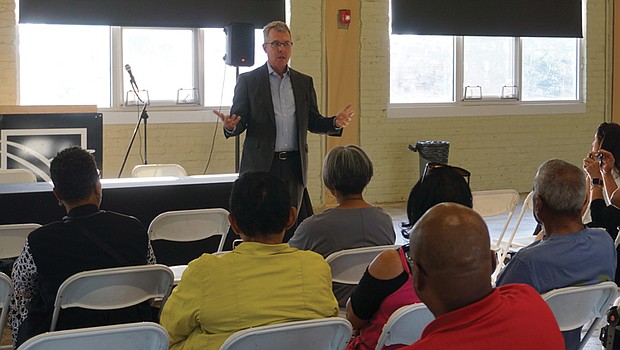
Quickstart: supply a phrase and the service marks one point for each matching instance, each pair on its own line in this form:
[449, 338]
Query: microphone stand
[144, 116]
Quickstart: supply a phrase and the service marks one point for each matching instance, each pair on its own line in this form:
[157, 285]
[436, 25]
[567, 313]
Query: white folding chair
[155, 170]
[113, 288]
[129, 336]
[16, 176]
[494, 203]
[348, 266]
[320, 334]
[573, 307]
[405, 325]
[513, 242]
[6, 288]
[177, 270]
[191, 225]
[13, 237]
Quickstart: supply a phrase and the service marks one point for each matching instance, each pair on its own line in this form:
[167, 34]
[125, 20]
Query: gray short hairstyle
[347, 169]
[278, 26]
[562, 187]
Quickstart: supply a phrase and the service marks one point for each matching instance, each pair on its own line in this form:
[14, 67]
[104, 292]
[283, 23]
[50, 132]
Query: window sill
[469, 109]
[161, 115]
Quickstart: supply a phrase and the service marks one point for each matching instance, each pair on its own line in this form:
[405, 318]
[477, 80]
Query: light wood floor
[6, 336]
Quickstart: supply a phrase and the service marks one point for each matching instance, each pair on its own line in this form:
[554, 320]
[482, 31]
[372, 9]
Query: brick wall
[307, 29]
[500, 151]
[8, 53]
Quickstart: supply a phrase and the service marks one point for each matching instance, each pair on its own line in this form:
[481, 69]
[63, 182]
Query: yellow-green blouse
[256, 284]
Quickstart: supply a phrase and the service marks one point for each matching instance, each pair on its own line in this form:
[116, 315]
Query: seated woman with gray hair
[353, 223]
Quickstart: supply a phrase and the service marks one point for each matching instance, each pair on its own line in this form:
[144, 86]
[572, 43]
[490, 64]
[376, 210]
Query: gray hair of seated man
[562, 187]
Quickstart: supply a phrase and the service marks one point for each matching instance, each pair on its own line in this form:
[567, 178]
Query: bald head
[452, 256]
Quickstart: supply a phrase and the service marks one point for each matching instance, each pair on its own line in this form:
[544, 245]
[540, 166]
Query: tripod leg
[133, 137]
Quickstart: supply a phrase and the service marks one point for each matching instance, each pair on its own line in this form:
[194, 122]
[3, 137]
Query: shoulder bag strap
[98, 242]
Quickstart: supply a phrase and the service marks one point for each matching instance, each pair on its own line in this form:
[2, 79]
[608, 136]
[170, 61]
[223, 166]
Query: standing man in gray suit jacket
[277, 106]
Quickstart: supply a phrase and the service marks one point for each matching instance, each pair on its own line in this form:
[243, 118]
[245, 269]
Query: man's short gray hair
[278, 26]
[561, 186]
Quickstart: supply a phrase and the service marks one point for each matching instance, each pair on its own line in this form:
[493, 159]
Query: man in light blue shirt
[277, 106]
[570, 254]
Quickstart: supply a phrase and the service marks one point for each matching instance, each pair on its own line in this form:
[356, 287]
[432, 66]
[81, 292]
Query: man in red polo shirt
[451, 266]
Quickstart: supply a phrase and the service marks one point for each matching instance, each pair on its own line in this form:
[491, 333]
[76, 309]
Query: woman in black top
[86, 239]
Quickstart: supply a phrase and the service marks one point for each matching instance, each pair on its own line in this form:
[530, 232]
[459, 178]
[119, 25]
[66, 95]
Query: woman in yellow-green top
[263, 281]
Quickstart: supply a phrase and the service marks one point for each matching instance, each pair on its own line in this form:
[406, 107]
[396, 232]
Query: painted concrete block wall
[188, 144]
[8, 53]
[307, 30]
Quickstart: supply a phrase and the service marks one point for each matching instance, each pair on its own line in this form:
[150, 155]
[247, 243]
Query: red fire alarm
[344, 18]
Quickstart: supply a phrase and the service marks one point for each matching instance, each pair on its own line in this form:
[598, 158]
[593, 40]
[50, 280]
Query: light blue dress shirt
[284, 111]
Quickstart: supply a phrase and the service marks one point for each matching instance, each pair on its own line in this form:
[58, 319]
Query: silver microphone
[132, 80]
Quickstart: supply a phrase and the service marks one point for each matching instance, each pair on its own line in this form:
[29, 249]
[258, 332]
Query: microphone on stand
[143, 117]
[132, 80]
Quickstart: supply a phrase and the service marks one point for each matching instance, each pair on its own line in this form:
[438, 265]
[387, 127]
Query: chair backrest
[113, 288]
[494, 203]
[129, 336]
[155, 170]
[6, 288]
[527, 206]
[320, 334]
[190, 225]
[573, 307]
[16, 176]
[178, 270]
[405, 325]
[348, 266]
[13, 237]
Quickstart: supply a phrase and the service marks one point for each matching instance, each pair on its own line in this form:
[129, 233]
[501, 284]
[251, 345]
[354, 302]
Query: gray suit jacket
[253, 103]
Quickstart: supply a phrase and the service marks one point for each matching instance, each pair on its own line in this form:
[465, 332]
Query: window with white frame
[421, 69]
[221, 78]
[550, 69]
[456, 71]
[162, 63]
[64, 65]
[75, 65]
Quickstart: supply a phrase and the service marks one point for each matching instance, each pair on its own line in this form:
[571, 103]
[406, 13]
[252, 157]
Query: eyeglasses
[277, 44]
[435, 165]
[410, 261]
[406, 249]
